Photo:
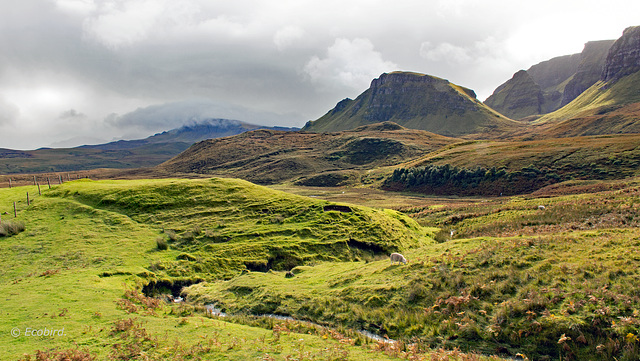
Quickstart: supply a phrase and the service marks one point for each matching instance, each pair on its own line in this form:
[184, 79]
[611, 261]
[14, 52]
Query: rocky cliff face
[415, 101]
[592, 60]
[406, 95]
[553, 83]
[612, 104]
[624, 55]
[551, 73]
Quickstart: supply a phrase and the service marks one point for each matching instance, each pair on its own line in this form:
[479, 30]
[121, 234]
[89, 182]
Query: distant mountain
[189, 134]
[138, 153]
[549, 85]
[612, 104]
[415, 101]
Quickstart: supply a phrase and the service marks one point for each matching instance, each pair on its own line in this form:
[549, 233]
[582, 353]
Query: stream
[213, 310]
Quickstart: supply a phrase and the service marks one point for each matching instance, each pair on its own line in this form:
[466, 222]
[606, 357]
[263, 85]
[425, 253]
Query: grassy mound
[222, 226]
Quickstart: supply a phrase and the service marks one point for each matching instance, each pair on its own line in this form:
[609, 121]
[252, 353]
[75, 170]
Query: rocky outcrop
[415, 101]
[551, 73]
[592, 60]
[624, 56]
[550, 84]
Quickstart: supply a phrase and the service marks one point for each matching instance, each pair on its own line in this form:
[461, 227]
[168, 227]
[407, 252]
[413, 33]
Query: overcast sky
[90, 71]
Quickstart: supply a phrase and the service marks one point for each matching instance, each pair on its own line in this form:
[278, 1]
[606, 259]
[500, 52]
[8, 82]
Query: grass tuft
[10, 228]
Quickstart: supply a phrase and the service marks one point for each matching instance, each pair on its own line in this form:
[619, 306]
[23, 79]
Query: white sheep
[398, 257]
[541, 207]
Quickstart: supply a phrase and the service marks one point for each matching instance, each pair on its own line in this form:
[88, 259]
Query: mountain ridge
[146, 152]
[610, 106]
[553, 83]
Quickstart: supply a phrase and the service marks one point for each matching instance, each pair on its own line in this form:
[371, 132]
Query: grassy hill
[269, 157]
[556, 283]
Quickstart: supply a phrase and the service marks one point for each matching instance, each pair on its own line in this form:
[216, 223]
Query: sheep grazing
[398, 257]
[542, 208]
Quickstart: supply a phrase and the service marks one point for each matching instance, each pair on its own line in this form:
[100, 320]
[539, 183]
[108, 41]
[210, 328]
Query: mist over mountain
[145, 152]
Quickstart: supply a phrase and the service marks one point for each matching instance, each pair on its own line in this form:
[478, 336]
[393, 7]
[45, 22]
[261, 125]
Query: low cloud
[145, 121]
[72, 114]
[348, 63]
[166, 116]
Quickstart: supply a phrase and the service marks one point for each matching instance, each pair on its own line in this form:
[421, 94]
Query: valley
[520, 224]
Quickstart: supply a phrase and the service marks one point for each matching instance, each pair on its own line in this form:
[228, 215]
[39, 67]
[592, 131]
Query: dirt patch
[337, 208]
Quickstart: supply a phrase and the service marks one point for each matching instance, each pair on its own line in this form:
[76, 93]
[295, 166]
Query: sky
[78, 72]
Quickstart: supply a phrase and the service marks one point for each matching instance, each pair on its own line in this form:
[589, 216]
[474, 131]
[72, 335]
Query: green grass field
[71, 280]
[97, 262]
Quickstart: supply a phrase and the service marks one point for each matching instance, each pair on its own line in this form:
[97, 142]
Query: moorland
[521, 235]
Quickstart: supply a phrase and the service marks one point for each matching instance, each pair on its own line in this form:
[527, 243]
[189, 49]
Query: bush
[171, 234]
[443, 235]
[10, 228]
[447, 179]
[162, 244]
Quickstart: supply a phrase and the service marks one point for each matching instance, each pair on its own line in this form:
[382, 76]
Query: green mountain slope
[415, 101]
[610, 106]
[604, 108]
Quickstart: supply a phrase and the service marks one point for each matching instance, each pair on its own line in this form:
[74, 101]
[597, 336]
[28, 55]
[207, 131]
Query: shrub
[72, 354]
[171, 234]
[442, 236]
[10, 228]
[162, 244]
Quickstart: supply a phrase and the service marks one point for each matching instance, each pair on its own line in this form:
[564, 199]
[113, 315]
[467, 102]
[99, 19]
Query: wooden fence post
[15, 210]
[48, 183]
[34, 180]
[59, 179]
[39, 193]
[9, 182]
[28, 203]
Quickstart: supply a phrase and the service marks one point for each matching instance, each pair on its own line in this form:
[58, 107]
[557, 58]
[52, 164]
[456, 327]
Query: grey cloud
[281, 62]
[72, 114]
[8, 112]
